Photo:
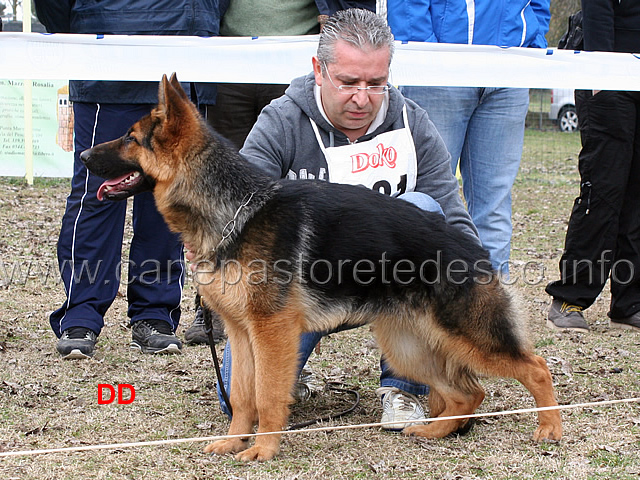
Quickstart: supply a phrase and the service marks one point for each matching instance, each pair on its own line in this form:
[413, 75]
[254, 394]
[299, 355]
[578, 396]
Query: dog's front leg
[275, 342]
[242, 395]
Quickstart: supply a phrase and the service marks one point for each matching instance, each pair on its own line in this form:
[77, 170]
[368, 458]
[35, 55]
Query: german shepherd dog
[277, 258]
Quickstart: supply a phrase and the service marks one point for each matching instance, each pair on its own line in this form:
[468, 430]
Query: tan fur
[264, 325]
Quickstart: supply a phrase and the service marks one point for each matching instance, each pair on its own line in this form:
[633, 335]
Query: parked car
[563, 109]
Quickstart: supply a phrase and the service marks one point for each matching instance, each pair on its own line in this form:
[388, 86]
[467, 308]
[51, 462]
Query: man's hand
[190, 256]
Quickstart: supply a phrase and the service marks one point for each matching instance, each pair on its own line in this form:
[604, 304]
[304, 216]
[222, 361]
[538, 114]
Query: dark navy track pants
[91, 239]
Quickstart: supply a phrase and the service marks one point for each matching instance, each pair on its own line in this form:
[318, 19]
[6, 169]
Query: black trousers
[603, 236]
[238, 106]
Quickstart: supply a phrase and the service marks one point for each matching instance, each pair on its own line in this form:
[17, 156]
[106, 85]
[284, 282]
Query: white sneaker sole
[623, 326]
[75, 354]
[172, 349]
[553, 326]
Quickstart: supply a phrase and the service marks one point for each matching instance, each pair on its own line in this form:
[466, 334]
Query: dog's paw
[222, 447]
[257, 452]
[548, 433]
[424, 431]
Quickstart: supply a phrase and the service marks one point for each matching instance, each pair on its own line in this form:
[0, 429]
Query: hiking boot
[77, 343]
[628, 323]
[154, 336]
[564, 316]
[196, 334]
[400, 407]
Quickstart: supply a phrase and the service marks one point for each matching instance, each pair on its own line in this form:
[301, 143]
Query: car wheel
[568, 119]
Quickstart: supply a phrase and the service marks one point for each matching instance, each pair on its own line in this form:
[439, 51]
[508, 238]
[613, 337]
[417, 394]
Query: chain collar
[230, 227]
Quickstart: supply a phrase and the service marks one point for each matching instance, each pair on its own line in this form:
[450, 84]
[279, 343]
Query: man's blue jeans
[484, 129]
[309, 340]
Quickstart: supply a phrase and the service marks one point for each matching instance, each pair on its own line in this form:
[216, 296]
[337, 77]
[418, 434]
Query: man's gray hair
[359, 27]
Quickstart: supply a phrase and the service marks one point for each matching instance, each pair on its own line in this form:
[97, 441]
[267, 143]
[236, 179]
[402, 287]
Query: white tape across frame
[280, 59]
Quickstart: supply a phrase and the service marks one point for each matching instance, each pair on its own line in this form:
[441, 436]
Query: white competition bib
[387, 163]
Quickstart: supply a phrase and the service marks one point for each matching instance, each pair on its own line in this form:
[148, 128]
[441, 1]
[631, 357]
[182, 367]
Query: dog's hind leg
[410, 355]
[436, 402]
[532, 371]
[449, 401]
[275, 342]
[242, 395]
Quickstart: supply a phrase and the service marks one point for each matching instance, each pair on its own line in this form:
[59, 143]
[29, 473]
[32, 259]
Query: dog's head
[154, 150]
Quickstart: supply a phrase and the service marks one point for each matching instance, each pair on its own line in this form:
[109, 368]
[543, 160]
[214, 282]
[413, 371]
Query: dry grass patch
[46, 402]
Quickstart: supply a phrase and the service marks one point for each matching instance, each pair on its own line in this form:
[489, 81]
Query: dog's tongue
[110, 183]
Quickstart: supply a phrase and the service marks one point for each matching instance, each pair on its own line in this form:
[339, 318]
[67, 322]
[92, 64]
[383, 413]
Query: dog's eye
[129, 139]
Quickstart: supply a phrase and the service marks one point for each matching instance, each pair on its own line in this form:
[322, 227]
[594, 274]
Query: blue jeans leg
[309, 340]
[422, 201]
[483, 129]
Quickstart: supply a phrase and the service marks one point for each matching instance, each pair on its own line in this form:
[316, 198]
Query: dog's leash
[336, 387]
[208, 327]
[227, 231]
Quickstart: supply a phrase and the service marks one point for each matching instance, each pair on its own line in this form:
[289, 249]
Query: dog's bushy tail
[489, 316]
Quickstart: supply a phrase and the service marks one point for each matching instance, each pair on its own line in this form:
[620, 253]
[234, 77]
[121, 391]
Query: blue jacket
[506, 23]
[130, 17]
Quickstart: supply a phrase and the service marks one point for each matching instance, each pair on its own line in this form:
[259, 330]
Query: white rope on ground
[309, 430]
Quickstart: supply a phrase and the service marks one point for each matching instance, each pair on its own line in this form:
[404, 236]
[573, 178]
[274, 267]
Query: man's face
[352, 114]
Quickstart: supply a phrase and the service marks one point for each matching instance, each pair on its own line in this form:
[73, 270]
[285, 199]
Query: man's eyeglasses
[353, 89]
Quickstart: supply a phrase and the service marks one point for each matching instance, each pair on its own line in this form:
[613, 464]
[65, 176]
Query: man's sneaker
[564, 316]
[628, 323]
[399, 407]
[196, 334]
[306, 386]
[77, 343]
[154, 336]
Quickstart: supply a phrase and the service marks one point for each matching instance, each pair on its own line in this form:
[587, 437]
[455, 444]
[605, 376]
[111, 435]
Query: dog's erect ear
[164, 83]
[176, 84]
[172, 100]
[160, 112]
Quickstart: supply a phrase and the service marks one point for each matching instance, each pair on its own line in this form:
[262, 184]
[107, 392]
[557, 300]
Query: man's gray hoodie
[283, 144]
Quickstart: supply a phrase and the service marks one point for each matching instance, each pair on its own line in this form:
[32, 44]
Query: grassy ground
[539, 106]
[46, 402]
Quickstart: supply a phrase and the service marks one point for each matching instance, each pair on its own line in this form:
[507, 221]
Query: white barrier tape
[280, 59]
[309, 430]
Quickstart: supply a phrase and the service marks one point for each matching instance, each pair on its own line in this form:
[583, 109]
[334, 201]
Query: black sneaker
[154, 336]
[77, 343]
[196, 334]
